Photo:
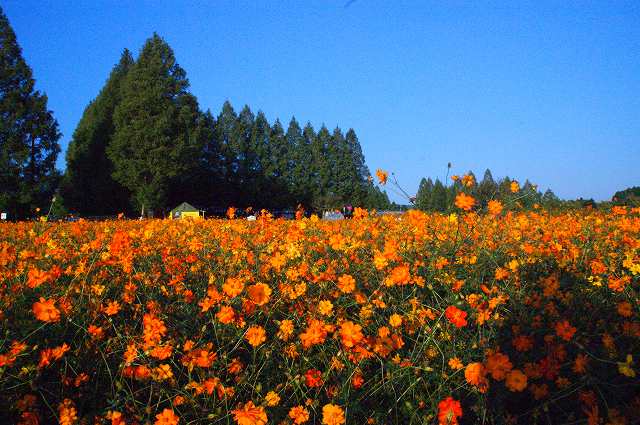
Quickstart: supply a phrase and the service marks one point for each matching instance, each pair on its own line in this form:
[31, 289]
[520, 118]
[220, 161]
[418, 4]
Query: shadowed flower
[516, 380]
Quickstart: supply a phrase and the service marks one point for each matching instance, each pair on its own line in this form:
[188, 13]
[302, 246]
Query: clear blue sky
[548, 91]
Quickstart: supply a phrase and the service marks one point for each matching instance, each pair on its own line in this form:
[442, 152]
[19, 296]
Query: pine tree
[244, 163]
[300, 159]
[156, 135]
[88, 186]
[344, 175]
[362, 171]
[440, 197]
[487, 188]
[28, 134]
[224, 128]
[423, 197]
[322, 196]
[277, 168]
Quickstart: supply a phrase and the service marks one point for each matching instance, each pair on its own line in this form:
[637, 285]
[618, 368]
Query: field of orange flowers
[503, 317]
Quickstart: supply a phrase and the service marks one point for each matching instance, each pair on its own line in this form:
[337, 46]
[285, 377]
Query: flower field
[508, 317]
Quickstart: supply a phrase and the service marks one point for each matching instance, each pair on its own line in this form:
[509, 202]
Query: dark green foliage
[158, 128]
[143, 143]
[28, 134]
[88, 186]
[630, 196]
[440, 197]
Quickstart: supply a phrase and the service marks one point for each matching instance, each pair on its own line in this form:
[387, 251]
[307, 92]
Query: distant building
[185, 210]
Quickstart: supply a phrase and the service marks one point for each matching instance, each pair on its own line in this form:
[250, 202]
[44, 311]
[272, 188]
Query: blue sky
[548, 91]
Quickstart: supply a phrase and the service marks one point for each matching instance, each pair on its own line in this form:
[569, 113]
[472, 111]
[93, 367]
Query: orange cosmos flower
[625, 309]
[112, 308]
[382, 176]
[272, 398]
[299, 415]
[350, 334]
[233, 287]
[395, 320]
[46, 311]
[116, 418]
[67, 413]
[498, 365]
[313, 378]
[285, 330]
[516, 380]
[332, 415]
[455, 363]
[456, 316]
[226, 314]
[36, 278]
[565, 330]
[256, 335]
[231, 212]
[346, 283]
[48, 355]
[465, 202]
[325, 307]
[515, 186]
[580, 364]
[400, 275]
[95, 331]
[250, 414]
[259, 293]
[449, 410]
[167, 417]
[494, 207]
[475, 374]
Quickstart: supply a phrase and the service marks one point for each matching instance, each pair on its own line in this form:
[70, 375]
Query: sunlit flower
[250, 414]
[167, 417]
[299, 415]
[464, 201]
[256, 335]
[449, 410]
[46, 311]
[272, 398]
[382, 176]
[332, 415]
[456, 316]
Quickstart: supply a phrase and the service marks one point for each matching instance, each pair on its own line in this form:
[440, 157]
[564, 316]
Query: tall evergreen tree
[323, 196]
[425, 192]
[157, 134]
[88, 186]
[224, 129]
[440, 197]
[276, 170]
[486, 189]
[28, 134]
[299, 158]
[358, 156]
[245, 163]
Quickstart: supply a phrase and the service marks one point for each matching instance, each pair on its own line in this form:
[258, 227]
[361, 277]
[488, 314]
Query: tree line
[439, 196]
[144, 145]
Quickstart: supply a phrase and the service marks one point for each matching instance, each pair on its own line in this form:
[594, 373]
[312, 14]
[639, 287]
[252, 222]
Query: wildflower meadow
[471, 317]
